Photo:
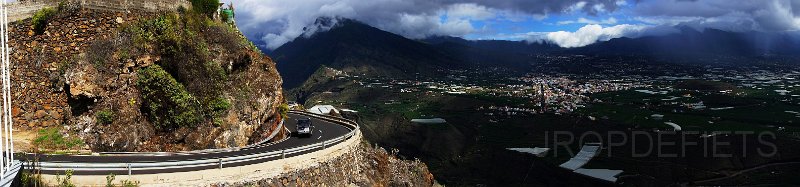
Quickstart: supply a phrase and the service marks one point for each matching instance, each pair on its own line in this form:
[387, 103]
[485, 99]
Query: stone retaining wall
[143, 5]
[36, 58]
[25, 9]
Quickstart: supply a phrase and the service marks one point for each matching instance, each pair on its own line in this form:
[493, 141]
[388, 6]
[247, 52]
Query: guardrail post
[323, 144]
[283, 153]
[129, 169]
[220, 163]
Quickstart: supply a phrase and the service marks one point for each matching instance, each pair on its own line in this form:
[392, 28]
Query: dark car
[304, 127]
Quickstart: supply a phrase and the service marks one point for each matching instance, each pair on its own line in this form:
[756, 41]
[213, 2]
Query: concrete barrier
[26, 9]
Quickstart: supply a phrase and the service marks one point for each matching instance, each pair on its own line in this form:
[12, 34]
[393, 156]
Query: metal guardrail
[11, 173]
[206, 151]
[221, 162]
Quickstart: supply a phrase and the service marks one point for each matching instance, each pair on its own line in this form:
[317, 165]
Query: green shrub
[62, 5]
[124, 183]
[205, 7]
[28, 178]
[110, 179]
[52, 139]
[188, 84]
[165, 101]
[284, 110]
[153, 31]
[181, 9]
[66, 181]
[219, 104]
[129, 183]
[41, 18]
[105, 117]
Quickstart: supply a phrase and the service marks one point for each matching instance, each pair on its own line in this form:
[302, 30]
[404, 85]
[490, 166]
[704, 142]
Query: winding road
[324, 130]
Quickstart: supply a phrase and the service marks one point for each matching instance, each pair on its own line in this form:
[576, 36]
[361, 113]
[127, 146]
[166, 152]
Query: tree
[205, 7]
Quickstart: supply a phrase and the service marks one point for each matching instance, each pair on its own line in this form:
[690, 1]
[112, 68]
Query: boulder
[147, 60]
[40, 114]
[81, 81]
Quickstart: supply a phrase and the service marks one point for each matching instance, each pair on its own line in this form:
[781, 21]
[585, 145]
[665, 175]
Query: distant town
[548, 89]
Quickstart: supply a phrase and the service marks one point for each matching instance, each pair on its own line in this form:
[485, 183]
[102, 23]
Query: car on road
[304, 127]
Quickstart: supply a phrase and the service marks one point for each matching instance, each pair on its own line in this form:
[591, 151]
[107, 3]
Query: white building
[323, 109]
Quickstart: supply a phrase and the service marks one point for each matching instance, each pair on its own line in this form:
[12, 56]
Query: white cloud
[609, 21]
[420, 26]
[470, 11]
[590, 34]
[576, 7]
[599, 7]
[527, 36]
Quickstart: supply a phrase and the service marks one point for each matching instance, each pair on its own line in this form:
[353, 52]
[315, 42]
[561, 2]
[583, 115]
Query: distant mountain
[360, 49]
[356, 48]
[690, 42]
[514, 54]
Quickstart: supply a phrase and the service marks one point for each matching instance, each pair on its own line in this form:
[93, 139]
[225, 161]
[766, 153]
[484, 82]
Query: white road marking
[319, 137]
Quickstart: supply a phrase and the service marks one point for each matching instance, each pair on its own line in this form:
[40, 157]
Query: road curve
[323, 130]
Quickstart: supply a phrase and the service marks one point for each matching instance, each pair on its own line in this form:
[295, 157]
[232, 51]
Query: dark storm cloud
[591, 7]
[762, 15]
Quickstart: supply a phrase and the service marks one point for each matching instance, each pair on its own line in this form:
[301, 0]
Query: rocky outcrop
[81, 81]
[362, 166]
[38, 86]
[82, 65]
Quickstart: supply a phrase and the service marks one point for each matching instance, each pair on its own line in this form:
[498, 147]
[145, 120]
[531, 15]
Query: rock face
[81, 81]
[37, 81]
[365, 166]
[82, 64]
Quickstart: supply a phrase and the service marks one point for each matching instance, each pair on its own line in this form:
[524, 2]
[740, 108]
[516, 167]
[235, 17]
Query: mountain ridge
[360, 49]
[693, 42]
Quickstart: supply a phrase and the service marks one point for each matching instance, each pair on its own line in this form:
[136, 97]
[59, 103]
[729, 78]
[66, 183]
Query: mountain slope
[691, 42]
[358, 49]
[512, 54]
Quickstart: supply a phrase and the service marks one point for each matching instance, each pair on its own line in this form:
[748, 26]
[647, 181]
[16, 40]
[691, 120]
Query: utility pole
[3, 136]
[7, 145]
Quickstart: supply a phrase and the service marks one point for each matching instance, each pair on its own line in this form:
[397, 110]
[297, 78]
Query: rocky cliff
[363, 166]
[142, 81]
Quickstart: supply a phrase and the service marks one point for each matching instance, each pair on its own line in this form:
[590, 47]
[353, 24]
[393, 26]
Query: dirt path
[23, 139]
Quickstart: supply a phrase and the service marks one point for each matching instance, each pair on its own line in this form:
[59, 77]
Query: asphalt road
[323, 130]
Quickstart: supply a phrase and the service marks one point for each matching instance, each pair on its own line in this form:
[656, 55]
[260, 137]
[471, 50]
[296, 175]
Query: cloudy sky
[568, 23]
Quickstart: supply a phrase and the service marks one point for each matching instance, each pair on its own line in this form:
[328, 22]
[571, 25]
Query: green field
[753, 110]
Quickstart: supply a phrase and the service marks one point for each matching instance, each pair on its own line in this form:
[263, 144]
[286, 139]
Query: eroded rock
[81, 81]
